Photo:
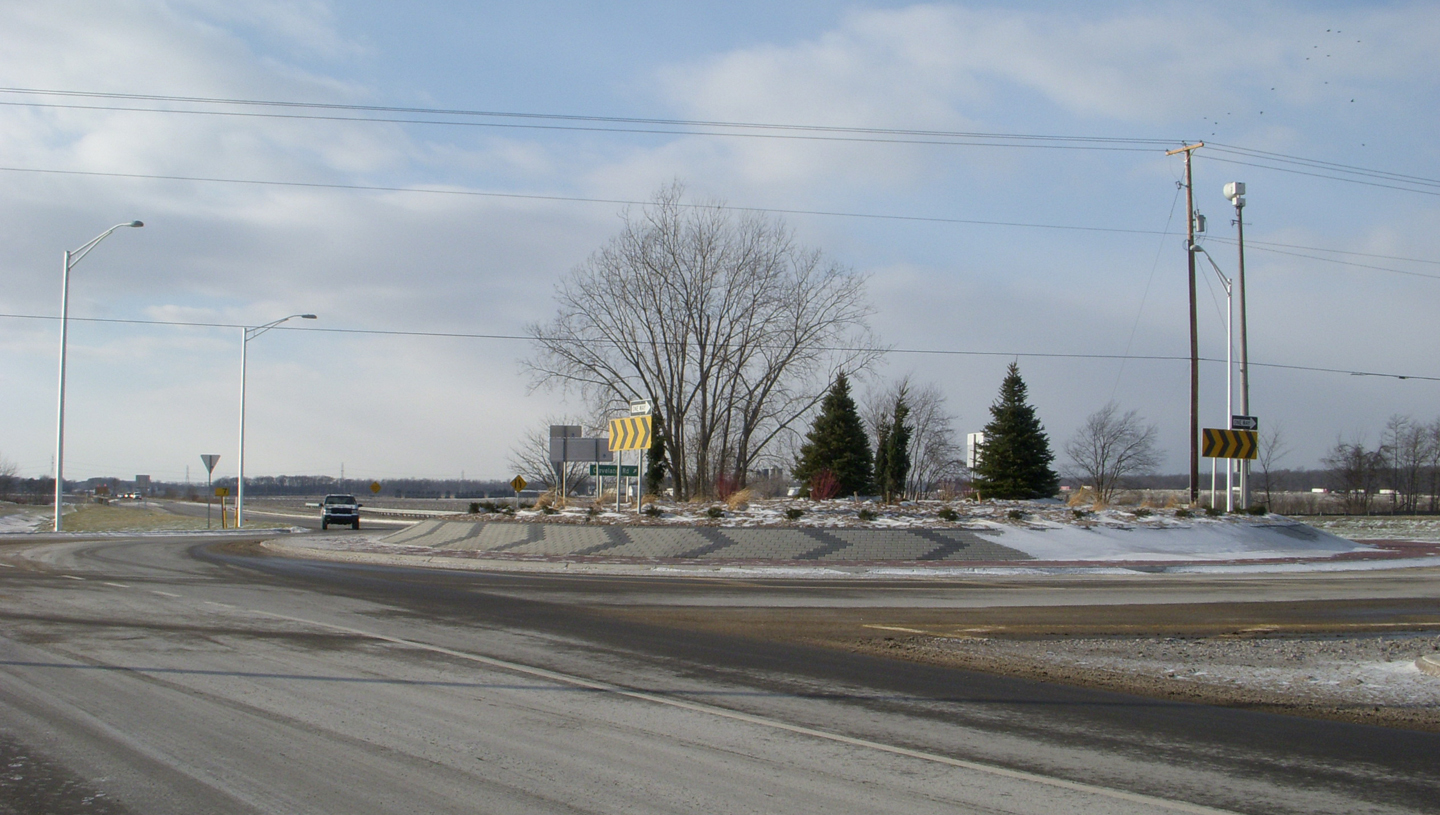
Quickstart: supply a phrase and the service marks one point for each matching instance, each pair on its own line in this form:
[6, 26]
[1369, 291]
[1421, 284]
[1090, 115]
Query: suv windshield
[339, 499]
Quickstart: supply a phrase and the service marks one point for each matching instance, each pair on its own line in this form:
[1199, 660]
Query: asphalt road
[164, 674]
[256, 513]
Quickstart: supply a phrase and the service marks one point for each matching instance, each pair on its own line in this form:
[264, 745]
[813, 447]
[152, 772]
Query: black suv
[340, 509]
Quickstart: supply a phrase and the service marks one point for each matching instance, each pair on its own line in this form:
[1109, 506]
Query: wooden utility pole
[1194, 331]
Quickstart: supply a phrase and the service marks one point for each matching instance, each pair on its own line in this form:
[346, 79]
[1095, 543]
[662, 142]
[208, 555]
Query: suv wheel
[324, 524]
[355, 525]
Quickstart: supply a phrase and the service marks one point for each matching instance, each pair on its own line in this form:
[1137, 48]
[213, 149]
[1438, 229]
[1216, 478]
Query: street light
[1235, 192]
[248, 334]
[71, 258]
[1229, 386]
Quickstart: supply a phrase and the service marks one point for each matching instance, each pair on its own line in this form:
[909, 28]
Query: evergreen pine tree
[655, 457]
[892, 452]
[837, 442]
[882, 457]
[1015, 457]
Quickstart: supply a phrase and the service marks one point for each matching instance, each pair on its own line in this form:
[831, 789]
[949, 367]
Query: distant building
[973, 442]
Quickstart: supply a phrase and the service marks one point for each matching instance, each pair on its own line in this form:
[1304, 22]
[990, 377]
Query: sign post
[221, 492]
[1228, 444]
[209, 460]
[630, 433]
[518, 484]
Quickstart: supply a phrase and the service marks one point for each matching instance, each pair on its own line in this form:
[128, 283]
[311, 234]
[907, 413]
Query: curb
[1429, 664]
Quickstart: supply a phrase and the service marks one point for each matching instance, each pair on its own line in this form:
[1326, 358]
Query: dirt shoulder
[1347, 661]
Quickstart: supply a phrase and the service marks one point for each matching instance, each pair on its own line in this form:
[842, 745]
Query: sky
[1065, 255]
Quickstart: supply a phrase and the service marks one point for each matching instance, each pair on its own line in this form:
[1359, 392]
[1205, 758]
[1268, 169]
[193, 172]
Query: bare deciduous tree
[935, 457]
[530, 458]
[8, 469]
[1432, 435]
[1273, 448]
[1406, 447]
[1355, 473]
[733, 330]
[1110, 447]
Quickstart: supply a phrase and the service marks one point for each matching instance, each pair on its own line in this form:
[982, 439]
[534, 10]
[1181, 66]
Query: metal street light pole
[1235, 191]
[1226, 283]
[248, 334]
[71, 258]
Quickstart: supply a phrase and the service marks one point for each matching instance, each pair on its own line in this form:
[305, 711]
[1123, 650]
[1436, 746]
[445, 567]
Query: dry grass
[740, 499]
[107, 518]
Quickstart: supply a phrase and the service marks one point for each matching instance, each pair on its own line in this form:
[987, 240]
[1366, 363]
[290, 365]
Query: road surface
[172, 674]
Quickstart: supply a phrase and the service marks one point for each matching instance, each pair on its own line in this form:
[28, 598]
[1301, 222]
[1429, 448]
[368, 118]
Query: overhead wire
[841, 349]
[670, 122]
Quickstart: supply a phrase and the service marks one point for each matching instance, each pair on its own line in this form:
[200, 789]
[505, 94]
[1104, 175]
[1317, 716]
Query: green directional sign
[609, 470]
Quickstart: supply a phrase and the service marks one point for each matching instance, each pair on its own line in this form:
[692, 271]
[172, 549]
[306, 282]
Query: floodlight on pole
[71, 258]
[246, 335]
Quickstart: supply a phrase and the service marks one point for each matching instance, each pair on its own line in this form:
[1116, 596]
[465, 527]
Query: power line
[1323, 175]
[468, 113]
[630, 202]
[572, 198]
[1272, 250]
[1321, 164]
[1261, 245]
[467, 117]
[918, 351]
[955, 141]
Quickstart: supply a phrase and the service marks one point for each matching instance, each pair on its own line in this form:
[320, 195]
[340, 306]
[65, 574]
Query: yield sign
[209, 459]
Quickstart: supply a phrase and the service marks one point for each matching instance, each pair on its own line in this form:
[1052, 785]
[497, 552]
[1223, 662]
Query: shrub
[725, 486]
[824, 486]
[547, 509]
[474, 507]
[867, 514]
[1182, 513]
[508, 509]
[1258, 509]
[1079, 513]
[593, 511]
[653, 511]
[794, 513]
[740, 499]
[948, 514]
[715, 512]
[1214, 511]
[1142, 512]
[1015, 515]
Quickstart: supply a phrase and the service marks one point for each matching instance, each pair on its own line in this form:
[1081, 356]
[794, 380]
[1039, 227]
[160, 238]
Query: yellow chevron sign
[1229, 443]
[630, 433]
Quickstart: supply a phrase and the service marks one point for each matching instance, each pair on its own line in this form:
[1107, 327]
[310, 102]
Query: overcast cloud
[149, 399]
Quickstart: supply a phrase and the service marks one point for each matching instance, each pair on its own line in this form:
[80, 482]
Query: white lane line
[775, 724]
[895, 628]
[7, 565]
[71, 577]
[163, 593]
[118, 585]
[221, 605]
